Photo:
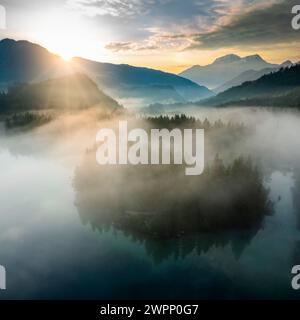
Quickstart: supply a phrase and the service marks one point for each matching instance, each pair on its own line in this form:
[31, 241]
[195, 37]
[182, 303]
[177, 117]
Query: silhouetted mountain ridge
[275, 84]
[250, 75]
[23, 61]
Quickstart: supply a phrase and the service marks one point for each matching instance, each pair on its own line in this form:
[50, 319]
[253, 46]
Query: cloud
[262, 25]
[148, 25]
[158, 12]
[158, 41]
[131, 46]
[119, 46]
[115, 8]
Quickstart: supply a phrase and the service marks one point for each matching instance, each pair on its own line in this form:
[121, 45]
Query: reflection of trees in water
[180, 247]
[173, 214]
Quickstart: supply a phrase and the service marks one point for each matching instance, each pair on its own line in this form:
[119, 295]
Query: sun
[68, 35]
[66, 57]
[63, 34]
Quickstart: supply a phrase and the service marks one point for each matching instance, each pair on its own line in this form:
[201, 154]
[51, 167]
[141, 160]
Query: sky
[170, 35]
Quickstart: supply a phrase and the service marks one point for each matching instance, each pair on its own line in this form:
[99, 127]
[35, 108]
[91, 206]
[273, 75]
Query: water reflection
[170, 213]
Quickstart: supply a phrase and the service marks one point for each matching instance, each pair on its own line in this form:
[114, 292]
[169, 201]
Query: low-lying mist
[158, 204]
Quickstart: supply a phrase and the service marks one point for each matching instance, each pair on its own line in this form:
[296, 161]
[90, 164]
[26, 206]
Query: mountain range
[229, 71]
[23, 61]
[38, 70]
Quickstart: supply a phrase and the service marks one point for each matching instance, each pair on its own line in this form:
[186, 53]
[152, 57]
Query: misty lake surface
[50, 253]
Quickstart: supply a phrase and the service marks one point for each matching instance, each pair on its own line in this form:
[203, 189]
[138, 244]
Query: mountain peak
[7, 41]
[228, 58]
[226, 68]
[254, 58]
[287, 63]
[11, 44]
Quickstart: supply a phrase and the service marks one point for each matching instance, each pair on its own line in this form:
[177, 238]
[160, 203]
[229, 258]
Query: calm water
[49, 252]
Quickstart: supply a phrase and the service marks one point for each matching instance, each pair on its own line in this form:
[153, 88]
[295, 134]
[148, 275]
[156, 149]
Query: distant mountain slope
[225, 69]
[70, 92]
[127, 81]
[22, 61]
[290, 100]
[249, 75]
[146, 94]
[271, 85]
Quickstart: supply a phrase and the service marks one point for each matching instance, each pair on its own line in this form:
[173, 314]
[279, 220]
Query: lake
[51, 250]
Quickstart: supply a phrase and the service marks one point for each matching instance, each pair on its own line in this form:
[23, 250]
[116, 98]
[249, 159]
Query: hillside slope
[67, 93]
[274, 84]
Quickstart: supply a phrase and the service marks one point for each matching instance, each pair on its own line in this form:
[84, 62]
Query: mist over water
[61, 235]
